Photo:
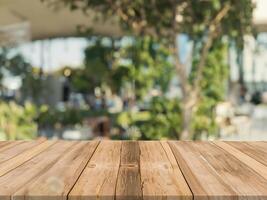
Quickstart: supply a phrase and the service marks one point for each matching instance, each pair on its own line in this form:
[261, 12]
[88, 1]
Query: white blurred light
[12, 83]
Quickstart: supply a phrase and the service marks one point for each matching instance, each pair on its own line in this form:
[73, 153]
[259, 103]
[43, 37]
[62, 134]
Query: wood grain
[24, 174]
[98, 180]
[236, 174]
[57, 181]
[135, 170]
[256, 150]
[129, 180]
[23, 157]
[203, 180]
[4, 143]
[16, 150]
[8, 144]
[253, 163]
[160, 175]
[241, 179]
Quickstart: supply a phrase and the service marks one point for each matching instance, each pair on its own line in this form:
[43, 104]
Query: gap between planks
[142, 170]
[26, 155]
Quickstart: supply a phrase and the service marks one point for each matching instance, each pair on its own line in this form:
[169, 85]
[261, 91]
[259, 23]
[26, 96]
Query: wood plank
[237, 176]
[243, 180]
[160, 175]
[256, 150]
[17, 149]
[57, 181]
[177, 171]
[129, 180]
[133, 170]
[260, 168]
[4, 143]
[98, 180]
[9, 144]
[204, 181]
[23, 157]
[11, 182]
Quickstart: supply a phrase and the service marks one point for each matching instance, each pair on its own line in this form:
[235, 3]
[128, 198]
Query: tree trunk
[186, 95]
[185, 134]
[187, 113]
[190, 92]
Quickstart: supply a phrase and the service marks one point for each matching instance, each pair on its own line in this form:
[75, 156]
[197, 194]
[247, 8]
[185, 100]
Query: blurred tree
[13, 64]
[145, 64]
[141, 64]
[202, 21]
[213, 89]
[97, 66]
[17, 122]
[164, 119]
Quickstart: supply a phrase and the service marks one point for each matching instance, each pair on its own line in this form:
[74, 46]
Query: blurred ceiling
[44, 22]
[31, 19]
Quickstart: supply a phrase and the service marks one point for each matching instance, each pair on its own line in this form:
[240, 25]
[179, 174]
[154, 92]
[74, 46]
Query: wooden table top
[123, 170]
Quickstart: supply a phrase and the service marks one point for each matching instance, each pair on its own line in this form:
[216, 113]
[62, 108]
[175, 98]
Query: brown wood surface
[257, 150]
[98, 180]
[59, 179]
[129, 179]
[135, 170]
[160, 175]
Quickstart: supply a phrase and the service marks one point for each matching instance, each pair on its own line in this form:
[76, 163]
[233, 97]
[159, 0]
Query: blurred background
[65, 74]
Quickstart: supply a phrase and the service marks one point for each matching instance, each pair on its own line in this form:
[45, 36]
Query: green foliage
[17, 122]
[161, 120]
[144, 63]
[162, 18]
[213, 89]
[139, 64]
[51, 117]
[163, 116]
[164, 120]
[203, 21]
[15, 65]
[12, 64]
[97, 66]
